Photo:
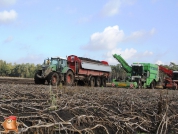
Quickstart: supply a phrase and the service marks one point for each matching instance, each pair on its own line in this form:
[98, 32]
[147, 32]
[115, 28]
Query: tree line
[18, 70]
[28, 70]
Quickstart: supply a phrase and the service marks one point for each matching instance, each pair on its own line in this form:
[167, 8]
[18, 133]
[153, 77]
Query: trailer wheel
[103, 82]
[69, 79]
[53, 78]
[38, 80]
[92, 81]
[98, 81]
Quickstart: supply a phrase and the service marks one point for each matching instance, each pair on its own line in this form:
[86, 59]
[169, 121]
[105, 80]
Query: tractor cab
[58, 63]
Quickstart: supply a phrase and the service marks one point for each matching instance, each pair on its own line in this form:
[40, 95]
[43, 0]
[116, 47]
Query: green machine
[141, 75]
[53, 71]
[145, 74]
[127, 83]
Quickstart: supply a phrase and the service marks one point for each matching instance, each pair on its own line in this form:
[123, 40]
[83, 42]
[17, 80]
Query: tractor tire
[92, 81]
[98, 81]
[69, 79]
[38, 80]
[103, 82]
[53, 79]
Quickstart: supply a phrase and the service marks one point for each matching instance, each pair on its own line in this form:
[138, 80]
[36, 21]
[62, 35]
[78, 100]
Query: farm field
[45, 109]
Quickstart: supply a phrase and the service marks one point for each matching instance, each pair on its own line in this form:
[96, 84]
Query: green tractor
[54, 71]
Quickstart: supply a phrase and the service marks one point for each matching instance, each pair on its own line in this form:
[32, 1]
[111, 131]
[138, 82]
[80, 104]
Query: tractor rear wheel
[92, 81]
[69, 79]
[98, 81]
[53, 78]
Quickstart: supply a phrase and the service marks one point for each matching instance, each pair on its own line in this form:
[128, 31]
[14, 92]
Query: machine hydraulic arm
[166, 71]
[124, 64]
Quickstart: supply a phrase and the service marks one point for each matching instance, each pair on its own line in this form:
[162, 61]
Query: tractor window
[54, 61]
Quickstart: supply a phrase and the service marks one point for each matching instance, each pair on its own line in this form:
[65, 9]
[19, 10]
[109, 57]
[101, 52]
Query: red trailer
[89, 71]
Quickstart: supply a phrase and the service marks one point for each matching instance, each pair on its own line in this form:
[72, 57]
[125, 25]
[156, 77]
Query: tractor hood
[52, 67]
[46, 70]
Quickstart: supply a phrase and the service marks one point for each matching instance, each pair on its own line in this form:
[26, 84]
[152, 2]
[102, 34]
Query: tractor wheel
[103, 82]
[38, 80]
[69, 79]
[53, 79]
[92, 81]
[98, 81]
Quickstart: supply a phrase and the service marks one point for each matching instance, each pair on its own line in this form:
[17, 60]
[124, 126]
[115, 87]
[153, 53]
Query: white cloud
[9, 39]
[6, 17]
[7, 2]
[140, 34]
[159, 62]
[108, 39]
[112, 36]
[129, 55]
[111, 8]
[126, 54]
[147, 53]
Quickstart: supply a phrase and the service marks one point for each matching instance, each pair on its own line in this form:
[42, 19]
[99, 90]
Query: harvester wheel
[103, 82]
[139, 84]
[175, 87]
[92, 81]
[69, 79]
[98, 81]
[152, 85]
[53, 78]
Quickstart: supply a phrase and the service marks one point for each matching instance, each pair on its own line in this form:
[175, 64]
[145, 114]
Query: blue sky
[139, 30]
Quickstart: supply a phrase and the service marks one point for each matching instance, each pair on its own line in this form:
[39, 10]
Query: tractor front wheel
[37, 79]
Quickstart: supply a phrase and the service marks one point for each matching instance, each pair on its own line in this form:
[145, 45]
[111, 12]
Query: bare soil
[16, 80]
[45, 109]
